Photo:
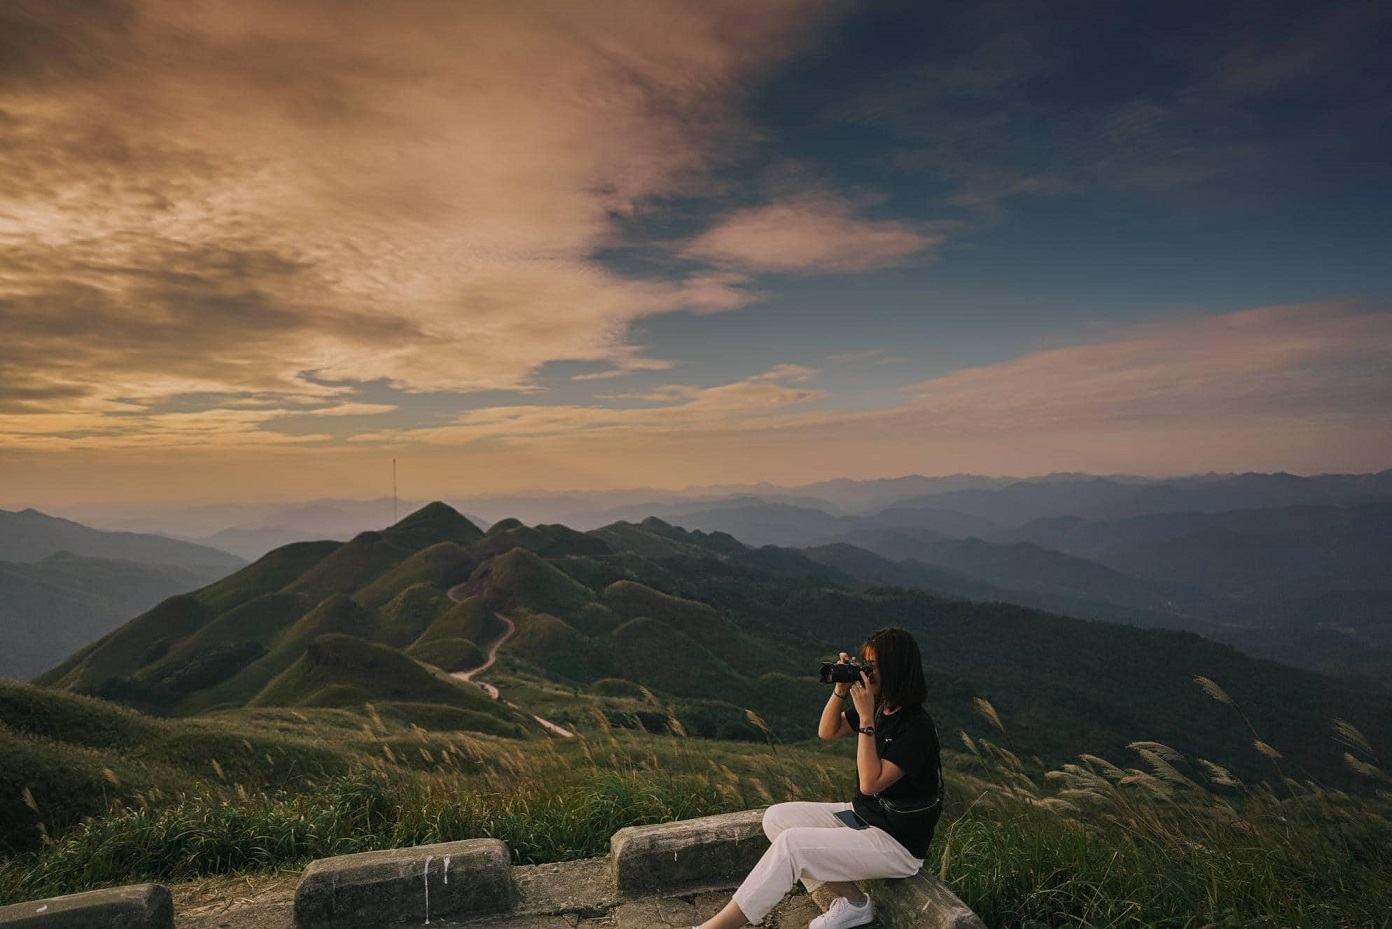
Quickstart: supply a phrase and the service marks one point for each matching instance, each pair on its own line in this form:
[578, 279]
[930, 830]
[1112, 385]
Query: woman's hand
[833, 724]
[864, 699]
[843, 694]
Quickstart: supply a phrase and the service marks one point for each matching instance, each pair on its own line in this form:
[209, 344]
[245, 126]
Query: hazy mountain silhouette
[52, 607]
[29, 536]
[63, 584]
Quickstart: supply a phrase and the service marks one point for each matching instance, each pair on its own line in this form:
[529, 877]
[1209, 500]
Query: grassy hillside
[712, 628]
[521, 578]
[345, 671]
[1158, 841]
[442, 565]
[410, 613]
[448, 655]
[142, 641]
[293, 724]
[268, 574]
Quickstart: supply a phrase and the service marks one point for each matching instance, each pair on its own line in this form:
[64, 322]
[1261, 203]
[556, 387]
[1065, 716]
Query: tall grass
[1168, 842]
[1172, 842]
[548, 801]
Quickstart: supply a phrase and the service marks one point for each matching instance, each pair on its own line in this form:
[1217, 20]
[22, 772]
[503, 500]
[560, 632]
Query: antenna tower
[395, 518]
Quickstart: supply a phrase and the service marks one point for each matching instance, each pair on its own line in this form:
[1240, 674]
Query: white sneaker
[843, 914]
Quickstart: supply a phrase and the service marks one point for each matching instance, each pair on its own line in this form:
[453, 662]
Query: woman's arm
[874, 773]
[833, 724]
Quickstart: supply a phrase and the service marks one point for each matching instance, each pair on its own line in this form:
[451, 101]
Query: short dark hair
[899, 665]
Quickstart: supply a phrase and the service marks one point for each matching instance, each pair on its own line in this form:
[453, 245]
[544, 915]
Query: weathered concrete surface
[139, 906]
[918, 902]
[570, 895]
[921, 901]
[407, 885]
[712, 851]
[582, 888]
[670, 876]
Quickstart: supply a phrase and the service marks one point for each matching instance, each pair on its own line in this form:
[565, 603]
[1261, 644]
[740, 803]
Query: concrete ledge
[139, 906]
[918, 902]
[708, 852]
[405, 885]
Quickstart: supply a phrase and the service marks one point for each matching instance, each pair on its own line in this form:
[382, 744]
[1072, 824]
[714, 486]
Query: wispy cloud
[1303, 388]
[674, 408]
[1167, 397]
[263, 196]
[807, 235]
[1299, 363]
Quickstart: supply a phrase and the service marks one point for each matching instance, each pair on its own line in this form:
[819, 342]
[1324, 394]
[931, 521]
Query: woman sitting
[884, 832]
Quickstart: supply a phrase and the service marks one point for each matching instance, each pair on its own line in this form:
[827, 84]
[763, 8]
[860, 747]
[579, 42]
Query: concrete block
[708, 852]
[139, 906]
[918, 902]
[406, 885]
[582, 887]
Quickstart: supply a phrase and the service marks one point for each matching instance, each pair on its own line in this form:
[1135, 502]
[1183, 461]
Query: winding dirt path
[492, 691]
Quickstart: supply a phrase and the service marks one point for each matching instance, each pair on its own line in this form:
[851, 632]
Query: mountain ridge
[710, 626]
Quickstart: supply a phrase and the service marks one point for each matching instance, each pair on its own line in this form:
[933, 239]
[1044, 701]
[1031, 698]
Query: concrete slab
[671, 857]
[406, 886]
[139, 906]
[676, 875]
[583, 887]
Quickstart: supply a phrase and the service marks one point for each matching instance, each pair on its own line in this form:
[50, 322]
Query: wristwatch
[866, 730]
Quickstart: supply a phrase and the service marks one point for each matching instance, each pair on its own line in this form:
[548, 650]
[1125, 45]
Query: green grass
[440, 566]
[558, 801]
[363, 671]
[523, 579]
[448, 654]
[1170, 842]
[432, 523]
[548, 541]
[406, 617]
[267, 574]
[351, 566]
[1099, 846]
[468, 619]
[653, 653]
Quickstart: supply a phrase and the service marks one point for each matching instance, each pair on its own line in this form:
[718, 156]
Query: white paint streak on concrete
[428, 859]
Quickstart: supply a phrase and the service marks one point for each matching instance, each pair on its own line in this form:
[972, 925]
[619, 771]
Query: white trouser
[810, 844]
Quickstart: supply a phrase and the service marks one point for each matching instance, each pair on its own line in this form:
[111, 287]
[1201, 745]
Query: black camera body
[839, 673]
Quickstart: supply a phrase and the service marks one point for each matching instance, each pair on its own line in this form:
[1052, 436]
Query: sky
[258, 250]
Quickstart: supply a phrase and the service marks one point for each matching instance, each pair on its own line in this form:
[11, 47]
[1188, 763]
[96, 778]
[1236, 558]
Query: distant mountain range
[711, 627]
[29, 536]
[63, 584]
[1282, 566]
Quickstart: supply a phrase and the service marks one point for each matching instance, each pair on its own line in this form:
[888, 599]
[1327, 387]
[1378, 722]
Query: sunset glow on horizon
[257, 250]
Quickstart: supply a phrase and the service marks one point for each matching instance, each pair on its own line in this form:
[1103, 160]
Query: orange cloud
[1303, 387]
[1294, 363]
[261, 196]
[813, 234]
[742, 404]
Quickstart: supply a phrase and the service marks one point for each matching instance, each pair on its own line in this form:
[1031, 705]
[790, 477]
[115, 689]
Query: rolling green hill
[707, 625]
[345, 671]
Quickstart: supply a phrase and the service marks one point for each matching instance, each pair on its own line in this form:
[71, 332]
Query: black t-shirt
[908, 739]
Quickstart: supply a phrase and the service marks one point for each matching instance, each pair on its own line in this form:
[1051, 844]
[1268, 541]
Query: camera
[848, 673]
